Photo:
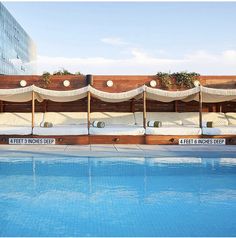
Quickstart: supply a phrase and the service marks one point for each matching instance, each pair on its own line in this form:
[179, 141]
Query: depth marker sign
[202, 141]
[32, 141]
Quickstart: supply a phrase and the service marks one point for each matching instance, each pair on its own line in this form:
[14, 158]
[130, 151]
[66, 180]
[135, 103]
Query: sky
[131, 37]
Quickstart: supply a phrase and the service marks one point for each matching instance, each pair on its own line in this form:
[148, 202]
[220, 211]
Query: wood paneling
[76, 81]
[99, 139]
[60, 140]
[174, 140]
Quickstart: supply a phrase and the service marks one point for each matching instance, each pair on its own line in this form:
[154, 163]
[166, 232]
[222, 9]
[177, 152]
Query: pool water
[117, 196]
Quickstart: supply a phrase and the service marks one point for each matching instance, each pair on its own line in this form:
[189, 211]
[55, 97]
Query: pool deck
[116, 150]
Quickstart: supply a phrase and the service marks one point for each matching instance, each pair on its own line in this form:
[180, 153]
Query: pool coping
[114, 150]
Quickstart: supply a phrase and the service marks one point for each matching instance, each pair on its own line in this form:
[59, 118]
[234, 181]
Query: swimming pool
[72, 196]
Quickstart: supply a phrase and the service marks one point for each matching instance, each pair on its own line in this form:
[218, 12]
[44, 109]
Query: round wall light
[153, 83]
[196, 83]
[23, 83]
[66, 83]
[109, 83]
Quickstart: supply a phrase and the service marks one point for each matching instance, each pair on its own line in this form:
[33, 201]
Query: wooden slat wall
[121, 84]
[76, 81]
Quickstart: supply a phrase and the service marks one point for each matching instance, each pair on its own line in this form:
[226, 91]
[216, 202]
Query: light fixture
[153, 83]
[109, 83]
[196, 83]
[66, 83]
[23, 83]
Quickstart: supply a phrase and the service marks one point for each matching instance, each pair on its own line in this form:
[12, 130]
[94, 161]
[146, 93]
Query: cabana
[172, 123]
[221, 123]
[117, 124]
[17, 123]
[64, 123]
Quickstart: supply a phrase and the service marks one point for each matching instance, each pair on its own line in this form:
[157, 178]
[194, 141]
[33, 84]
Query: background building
[17, 50]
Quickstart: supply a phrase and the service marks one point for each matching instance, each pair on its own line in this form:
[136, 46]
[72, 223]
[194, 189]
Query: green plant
[62, 72]
[165, 79]
[185, 79]
[77, 73]
[46, 79]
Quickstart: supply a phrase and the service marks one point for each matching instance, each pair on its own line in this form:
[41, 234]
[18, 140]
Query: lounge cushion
[15, 130]
[19, 119]
[174, 130]
[223, 130]
[114, 118]
[117, 130]
[13, 123]
[62, 130]
[192, 118]
[168, 118]
[65, 118]
[231, 116]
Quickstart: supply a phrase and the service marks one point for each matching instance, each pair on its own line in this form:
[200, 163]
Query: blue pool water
[117, 197]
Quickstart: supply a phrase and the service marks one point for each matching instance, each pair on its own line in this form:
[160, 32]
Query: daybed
[64, 123]
[117, 123]
[17, 123]
[223, 124]
[173, 123]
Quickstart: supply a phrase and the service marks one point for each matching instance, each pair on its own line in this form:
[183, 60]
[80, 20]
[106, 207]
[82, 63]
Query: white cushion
[19, 119]
[62, 130]
[65, 118]
[223, 130]
[231, 116]
[189, 118]
[15, 130]
[168, 118]
[175, 130]
[117, 130]
[218, 119]
[112, 118]
[192, 118]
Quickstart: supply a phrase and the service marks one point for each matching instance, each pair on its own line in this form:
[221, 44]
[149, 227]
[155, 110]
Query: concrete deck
[120, 150]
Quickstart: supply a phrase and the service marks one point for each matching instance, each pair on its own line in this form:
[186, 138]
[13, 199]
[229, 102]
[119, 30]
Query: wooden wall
[121, 84]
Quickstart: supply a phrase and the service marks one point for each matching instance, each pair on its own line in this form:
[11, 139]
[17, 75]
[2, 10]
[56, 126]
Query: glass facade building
[17, 50]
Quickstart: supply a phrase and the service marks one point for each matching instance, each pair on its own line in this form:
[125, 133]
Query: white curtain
[116, 97]
[169, 96]
[214, 95]
[17, 94]
[209, 95]
[60, 96]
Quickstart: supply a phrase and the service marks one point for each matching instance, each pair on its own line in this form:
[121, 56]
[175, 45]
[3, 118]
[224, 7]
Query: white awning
[17, 94]
[60, 96]
[214, 95]
[209, 95]
[116, 97]
[169, 96]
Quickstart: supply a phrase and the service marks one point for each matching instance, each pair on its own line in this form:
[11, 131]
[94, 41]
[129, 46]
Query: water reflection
[80, 196]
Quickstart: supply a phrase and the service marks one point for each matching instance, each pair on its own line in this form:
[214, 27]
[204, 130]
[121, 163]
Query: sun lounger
[64, 123]
[17, 123]
[117, 123]
[220, 124]
[172, 123]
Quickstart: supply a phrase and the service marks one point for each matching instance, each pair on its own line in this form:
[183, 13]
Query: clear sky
[131, 38]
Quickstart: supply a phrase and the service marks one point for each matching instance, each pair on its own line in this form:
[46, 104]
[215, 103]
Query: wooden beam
[1, 106]
[144, 109]
[200, 109]
[89, 110]
[176, 106]
[33, 110]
